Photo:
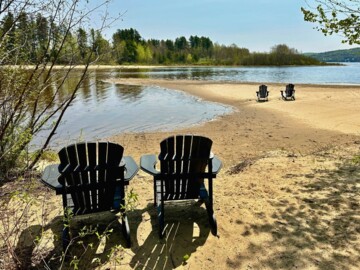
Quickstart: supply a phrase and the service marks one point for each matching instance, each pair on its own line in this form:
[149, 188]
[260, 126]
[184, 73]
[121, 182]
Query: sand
[280, 200]
[288, 193]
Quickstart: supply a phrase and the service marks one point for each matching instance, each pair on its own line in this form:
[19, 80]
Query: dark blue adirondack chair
[185, 161]
[263, 93]
[91, 177]
[289, 93]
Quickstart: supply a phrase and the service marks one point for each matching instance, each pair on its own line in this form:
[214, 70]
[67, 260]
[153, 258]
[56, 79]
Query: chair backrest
[182, 158]
[263, 91]
[289, 90]
[89, 172]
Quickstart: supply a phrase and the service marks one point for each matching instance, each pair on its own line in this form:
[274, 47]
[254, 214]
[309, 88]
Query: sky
[254, 24]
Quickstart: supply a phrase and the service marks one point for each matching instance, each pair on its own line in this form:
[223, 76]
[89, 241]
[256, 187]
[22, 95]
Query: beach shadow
[87, 248]
[321, 231]
[187, 228]
[28, 252]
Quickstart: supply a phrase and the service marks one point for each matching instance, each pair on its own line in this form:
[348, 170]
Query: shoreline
[316, 105]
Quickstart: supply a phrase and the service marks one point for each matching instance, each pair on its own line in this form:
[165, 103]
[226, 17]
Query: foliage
[356, 159]
[129, 48]
[336, 17]
[280, 55]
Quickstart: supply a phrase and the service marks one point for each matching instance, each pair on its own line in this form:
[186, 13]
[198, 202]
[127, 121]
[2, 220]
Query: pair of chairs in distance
[288, 94]
[92, 177]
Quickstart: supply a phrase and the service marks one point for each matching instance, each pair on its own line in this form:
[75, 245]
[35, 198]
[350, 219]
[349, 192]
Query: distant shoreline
[164, 66]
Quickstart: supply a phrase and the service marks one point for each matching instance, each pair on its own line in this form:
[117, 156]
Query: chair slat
[72, 179]
[91, 151]
[102, 159]
[82, 157]
[178, 163]
[114, 155]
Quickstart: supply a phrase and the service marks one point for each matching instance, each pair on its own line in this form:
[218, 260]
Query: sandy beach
[287, 196]
[288, 193]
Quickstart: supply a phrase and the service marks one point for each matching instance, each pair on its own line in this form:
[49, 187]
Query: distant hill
[350, 55]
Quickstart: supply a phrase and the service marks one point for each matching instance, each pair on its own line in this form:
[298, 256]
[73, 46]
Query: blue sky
[254, 24]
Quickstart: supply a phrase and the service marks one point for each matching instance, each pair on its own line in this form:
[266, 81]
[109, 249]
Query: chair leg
[65, 237]
[126, 230]
[66, 230]
[161, 219]
[211, 215]
[204, 196]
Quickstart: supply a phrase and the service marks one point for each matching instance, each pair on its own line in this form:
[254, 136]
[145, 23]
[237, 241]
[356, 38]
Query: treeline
[349, 55]
[31, 35]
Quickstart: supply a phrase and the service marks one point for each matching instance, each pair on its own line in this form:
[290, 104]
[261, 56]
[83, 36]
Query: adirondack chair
[289, 93]
[263, 93]
[91, 177]
[185, 161]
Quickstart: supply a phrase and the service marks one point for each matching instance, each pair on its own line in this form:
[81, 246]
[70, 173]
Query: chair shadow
[27, 245]
[187, 228]
[87, 249]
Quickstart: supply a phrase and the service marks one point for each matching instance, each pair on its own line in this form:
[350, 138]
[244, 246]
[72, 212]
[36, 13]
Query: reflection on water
[102, 110]
[346, 74]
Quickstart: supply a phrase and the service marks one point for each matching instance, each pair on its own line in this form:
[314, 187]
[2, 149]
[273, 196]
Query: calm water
[348, 74]
[102, 109]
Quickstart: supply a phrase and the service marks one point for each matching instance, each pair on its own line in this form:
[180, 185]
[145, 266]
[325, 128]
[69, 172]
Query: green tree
[336, 17]
[181, 43]
[8, 34]
[82, 41]
[130, 38]
[42, 34]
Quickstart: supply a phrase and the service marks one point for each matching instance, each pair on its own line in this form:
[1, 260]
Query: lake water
[102, 109]
[347, 74]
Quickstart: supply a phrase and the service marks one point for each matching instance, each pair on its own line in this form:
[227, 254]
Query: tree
[336, 17]
[181, 43]
[126, 41]
[31, 94]
[82, 40]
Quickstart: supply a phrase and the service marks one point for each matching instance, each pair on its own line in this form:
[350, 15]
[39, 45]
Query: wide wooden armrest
[131, 168]
[216, 165]
[147, 164]
[50, 177]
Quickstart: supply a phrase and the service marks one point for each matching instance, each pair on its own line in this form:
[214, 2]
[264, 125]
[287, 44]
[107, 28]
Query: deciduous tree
[336, 17]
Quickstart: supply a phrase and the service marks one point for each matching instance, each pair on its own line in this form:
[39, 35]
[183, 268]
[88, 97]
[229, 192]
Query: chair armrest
[50, 177]
[216, 165]
[131, 168]
[147, 164]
